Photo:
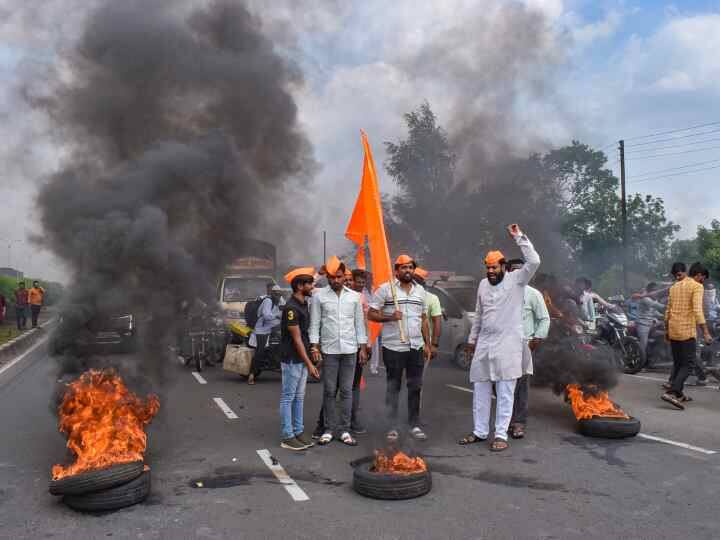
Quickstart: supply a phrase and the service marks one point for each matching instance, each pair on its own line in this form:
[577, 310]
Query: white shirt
[337, 321]
[501, 352]
[412, 305]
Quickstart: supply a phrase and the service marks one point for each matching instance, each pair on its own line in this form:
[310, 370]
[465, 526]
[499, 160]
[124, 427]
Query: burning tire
[114, 498]
[390, 486]
[91, 481]
[609, 428]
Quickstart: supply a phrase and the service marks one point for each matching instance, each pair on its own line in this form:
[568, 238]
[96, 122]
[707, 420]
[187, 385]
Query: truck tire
[87, 482]
[390, 486]
[609, 428]
[114, 498]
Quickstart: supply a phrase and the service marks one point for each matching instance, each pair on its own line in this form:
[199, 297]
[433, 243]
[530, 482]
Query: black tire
[390, 486]
[114, 498]
[461, 359]
[609, 428]
[88, 482]
[633, 358]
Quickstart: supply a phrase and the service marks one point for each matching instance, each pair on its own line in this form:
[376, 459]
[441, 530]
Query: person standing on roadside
[268, 319]
[496, 341]
[338, 340]
[433, 309]
[21, 306]
[683, 315]
[36, 299]
[405, 351]
[295, 359]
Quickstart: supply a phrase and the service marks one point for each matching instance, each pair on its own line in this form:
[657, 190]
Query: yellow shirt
[684, 310]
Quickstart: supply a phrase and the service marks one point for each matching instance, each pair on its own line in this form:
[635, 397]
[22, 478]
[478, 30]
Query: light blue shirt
[337, 321]
[269, 317]
[536, 319]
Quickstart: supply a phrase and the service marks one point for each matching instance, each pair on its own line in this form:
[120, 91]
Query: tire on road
[87, 482]
[609, 428]
[114, 498]
[390, 486]
[462, 359]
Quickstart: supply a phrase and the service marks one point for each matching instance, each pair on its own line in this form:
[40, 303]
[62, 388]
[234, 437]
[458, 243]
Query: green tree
[708, 241]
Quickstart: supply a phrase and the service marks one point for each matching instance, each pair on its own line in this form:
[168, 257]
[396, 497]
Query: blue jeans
[294, 379]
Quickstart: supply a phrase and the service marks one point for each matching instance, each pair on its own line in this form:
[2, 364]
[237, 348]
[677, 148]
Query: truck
[246, 278]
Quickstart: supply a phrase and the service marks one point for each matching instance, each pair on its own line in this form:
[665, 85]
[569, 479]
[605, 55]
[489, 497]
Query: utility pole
[623, 210]
[324, 246]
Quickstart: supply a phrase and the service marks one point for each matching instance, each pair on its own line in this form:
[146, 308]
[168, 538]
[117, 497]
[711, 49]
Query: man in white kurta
[500, 354]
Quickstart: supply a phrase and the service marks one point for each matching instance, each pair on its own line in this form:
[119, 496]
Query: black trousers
[21, 316]
[258, 358]
[35, 312]
[396, 363]
[683, 353]
[355, 401]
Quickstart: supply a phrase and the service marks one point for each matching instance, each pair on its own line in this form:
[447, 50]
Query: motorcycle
[203, 340]
[612, 330]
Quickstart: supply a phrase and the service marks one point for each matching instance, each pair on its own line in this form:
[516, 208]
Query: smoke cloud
[181, 138]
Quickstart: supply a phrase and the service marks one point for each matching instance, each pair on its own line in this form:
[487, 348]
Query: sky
[643, 71]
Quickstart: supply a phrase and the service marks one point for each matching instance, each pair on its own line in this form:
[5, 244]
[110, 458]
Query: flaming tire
[390, 486]
[114, 498]
[98, 480]
[609, 428]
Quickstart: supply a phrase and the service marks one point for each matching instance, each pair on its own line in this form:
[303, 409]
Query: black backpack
[251, 311]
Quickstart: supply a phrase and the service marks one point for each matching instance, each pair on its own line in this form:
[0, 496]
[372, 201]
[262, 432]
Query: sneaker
[293, 444]
[358, 429]
[304, 440]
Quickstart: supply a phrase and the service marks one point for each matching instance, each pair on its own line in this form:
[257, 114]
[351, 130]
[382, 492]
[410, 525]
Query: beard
[494, 279]
[405, 277]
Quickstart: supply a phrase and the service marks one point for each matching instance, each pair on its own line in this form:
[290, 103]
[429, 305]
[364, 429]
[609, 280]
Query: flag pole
[393, 290]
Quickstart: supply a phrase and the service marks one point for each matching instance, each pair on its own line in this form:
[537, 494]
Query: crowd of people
[26, 302]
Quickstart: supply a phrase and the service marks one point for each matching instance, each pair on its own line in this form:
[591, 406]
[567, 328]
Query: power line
[672, 131]
[661, 171]
[640, 158]
[675, 138]
[673, 175]
[679, 145]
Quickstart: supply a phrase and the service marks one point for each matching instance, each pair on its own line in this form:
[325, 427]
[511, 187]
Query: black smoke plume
[181, 138]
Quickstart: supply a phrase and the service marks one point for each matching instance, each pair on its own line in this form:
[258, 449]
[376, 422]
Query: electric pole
[623, 213]
[324, 246]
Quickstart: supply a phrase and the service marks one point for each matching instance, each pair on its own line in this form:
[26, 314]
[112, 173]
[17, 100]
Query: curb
[20, 344]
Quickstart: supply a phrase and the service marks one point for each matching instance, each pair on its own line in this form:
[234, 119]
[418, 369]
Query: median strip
[224, 408]
[283, 477]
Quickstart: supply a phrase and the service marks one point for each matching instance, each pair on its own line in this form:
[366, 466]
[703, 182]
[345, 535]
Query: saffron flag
[367, 222]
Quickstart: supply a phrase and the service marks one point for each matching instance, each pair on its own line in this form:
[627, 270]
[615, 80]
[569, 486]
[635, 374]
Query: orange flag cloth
[367, 222]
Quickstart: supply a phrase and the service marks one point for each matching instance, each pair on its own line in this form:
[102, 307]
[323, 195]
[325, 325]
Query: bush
[53, 292]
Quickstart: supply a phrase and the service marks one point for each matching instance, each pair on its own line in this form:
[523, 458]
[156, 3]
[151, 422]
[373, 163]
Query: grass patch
[8, 332]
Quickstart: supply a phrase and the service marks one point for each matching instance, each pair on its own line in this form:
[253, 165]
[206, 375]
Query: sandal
[499, 445]
[672, 400]
[517, 431]
[347, 439]
[471, 439]
[325, 438]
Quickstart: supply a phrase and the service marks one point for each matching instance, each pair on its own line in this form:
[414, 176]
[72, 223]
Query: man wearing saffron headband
[497, 343]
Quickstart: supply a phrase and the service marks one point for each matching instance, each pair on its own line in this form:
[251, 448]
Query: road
[553, 484]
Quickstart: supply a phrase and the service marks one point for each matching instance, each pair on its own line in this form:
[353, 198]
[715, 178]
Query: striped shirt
[684, 310]
[412, 305]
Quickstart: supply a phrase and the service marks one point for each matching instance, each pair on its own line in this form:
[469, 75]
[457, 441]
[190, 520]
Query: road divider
[220, 402]
[20, 358]
[283, 477]
[199, 378]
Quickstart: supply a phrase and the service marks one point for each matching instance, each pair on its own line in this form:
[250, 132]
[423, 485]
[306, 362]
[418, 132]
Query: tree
[708, 241]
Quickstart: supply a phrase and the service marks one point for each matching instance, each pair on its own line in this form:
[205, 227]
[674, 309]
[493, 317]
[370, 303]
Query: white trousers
[482, 403]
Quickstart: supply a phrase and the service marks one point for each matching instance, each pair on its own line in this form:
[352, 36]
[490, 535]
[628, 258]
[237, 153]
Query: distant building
[11, 273]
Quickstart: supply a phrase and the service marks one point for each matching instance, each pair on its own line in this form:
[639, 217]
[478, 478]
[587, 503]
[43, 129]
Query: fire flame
[397, 463]
[597, 404]
[104, 422]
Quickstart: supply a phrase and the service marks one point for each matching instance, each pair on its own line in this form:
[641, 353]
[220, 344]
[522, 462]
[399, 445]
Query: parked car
[456, 324]
[106, 334]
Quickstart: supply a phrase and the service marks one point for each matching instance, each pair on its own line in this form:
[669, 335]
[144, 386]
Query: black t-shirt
[294, 313]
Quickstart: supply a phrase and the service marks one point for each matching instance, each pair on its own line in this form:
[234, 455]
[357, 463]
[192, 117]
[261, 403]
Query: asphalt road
[553, 484]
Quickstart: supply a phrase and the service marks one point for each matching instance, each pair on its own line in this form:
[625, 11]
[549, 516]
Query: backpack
[251, 311]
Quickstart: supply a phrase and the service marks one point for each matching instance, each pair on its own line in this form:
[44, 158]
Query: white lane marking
[288, 483]
[463, 389]
[199, 378]
[23, 355]
[676, 443]
[224, 408]
[662, 380]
